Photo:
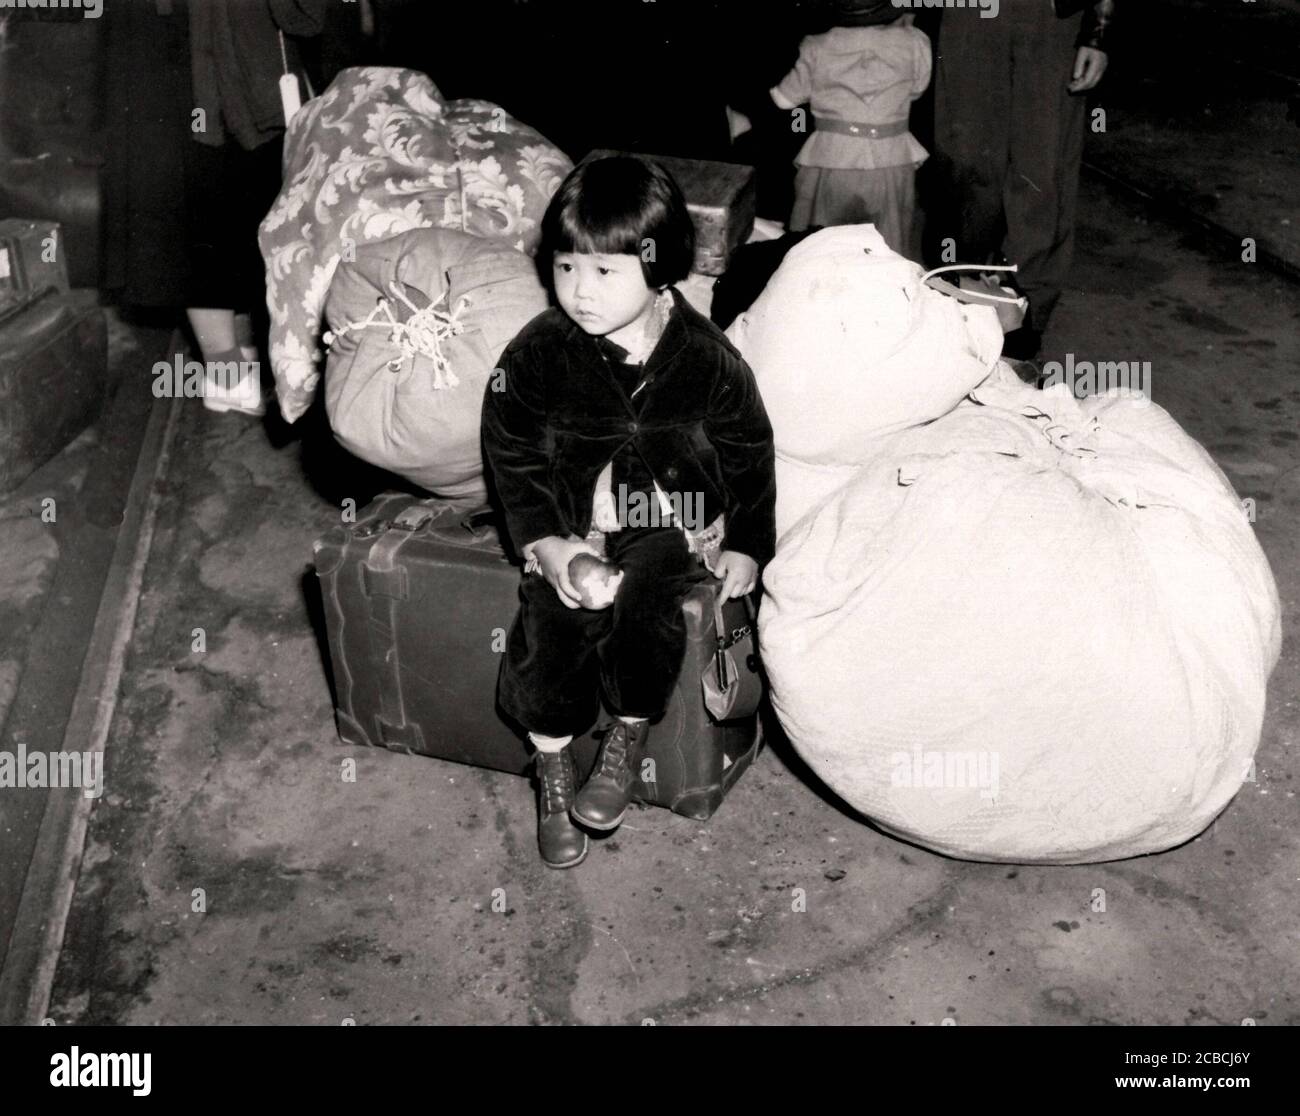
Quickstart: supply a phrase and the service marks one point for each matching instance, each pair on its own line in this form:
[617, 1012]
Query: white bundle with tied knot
[848, 345]
[1031, 628]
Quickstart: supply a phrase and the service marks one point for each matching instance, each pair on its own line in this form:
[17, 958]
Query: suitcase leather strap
[416, 515]
[385, 584]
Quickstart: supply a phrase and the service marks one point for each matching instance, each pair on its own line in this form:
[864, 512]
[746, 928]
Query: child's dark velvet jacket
[561, 415]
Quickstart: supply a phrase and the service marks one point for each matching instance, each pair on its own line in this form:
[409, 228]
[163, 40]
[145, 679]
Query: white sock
[549, 744]
[634, 720]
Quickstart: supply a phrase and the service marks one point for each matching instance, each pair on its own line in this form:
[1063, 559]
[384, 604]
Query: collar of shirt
[672, 340]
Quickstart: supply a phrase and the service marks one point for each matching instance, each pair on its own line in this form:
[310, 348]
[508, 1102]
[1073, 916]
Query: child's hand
[554, 554]
[739, 573]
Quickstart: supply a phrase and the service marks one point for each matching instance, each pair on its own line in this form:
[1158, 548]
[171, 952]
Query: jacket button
[632, 428]
[671, 472]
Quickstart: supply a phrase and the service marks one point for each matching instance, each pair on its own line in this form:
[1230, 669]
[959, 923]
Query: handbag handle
[720, 625]
[718, 609]
[724, 639]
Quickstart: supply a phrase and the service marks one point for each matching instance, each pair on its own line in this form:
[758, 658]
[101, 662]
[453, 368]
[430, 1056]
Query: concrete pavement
[1202, 117]
[232, 875]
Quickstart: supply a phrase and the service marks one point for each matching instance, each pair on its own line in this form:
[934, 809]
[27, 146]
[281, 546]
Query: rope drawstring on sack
[422, 333]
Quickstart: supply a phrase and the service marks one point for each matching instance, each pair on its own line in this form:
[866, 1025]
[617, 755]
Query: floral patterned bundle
[378, 153]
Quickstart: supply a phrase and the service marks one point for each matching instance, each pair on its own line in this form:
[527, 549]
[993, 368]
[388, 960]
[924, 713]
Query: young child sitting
[859, 164]
[624, 389]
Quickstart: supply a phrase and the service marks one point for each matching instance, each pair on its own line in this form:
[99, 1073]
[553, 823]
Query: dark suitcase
[56, 98]
[53, 380]
[32, 260]
[721, 199]
[418, 598]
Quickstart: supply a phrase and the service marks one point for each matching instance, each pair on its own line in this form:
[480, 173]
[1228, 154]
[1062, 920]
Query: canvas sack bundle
[416, 324]
[848, 345]
[1036, 630]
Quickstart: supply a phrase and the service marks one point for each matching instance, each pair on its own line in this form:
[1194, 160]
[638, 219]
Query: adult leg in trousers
[972, 133]
[1046, 152]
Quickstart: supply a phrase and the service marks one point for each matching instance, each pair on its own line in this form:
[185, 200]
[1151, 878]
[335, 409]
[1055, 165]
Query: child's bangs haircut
[621, 205]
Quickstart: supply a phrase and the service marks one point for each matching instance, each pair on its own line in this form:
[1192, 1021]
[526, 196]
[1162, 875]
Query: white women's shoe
[244, 396]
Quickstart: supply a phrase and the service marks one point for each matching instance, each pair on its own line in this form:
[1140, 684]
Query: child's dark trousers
[558, 659]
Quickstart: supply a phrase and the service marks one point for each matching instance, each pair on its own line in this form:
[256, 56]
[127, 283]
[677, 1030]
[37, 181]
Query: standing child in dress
[623, 397]
[859, 164]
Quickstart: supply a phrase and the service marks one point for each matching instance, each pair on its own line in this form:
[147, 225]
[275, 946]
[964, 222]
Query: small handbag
[733, 684]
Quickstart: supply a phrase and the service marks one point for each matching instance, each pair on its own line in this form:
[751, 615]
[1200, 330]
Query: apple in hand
[595, 580]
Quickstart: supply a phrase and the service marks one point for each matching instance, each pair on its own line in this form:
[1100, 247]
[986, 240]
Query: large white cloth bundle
[848, 345]
[1036, 630]
[800, 487]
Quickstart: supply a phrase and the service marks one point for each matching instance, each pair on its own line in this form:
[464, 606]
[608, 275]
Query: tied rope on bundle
[423, 332]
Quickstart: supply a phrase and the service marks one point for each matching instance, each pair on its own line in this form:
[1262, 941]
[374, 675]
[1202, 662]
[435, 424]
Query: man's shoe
[561, 843]
[602, 803]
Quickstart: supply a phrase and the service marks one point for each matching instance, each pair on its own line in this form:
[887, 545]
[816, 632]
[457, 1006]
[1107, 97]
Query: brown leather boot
[562, 844]
[603, 802]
